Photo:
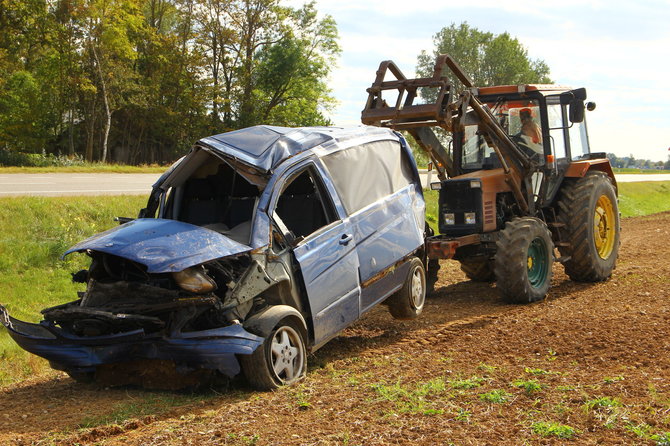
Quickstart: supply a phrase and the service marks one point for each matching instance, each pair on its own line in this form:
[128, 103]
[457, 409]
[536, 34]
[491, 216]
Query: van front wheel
[281, 359]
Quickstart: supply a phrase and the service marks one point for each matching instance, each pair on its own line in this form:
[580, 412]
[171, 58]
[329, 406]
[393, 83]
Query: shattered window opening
[301, 206]
[216, 197]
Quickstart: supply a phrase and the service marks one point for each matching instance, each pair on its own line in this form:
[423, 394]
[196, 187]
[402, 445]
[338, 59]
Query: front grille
[458, 197]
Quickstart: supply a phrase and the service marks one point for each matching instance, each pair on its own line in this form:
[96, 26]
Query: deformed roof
[265, 147]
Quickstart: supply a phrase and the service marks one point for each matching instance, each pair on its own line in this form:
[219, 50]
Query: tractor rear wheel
[523, 260]
[590, 215]
[478, 269]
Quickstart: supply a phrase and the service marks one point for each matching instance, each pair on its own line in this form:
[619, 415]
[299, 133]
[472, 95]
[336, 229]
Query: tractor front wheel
[523, 260]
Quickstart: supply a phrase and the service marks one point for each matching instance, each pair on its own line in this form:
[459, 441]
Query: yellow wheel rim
[604, 227]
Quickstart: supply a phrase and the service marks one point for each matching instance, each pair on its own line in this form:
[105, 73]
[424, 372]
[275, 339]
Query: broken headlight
[194, 280]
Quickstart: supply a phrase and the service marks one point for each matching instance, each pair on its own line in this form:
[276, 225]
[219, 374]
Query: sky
[618, 50]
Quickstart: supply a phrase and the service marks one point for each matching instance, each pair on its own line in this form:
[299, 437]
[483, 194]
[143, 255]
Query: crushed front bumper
[211, 349]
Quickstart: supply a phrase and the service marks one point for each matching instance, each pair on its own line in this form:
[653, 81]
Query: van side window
[303, 206]
[369, 172]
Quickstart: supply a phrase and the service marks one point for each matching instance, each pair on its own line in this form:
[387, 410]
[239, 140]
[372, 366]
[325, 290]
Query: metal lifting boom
[449, 114]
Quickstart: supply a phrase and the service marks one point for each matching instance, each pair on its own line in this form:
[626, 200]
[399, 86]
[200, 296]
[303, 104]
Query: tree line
[138, 81]
[630, 162]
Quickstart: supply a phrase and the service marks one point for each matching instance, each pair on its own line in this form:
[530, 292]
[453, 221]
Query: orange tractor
[518, 178]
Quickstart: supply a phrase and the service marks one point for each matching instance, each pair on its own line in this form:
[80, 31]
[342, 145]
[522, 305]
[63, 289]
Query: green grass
[604, 402]
[468, 383]
[86, 168]
[495, 396]
[629, 170]
[34, 232]
[419, 398]
[529, 386]
[637, 199]
[546, 429]
[150, 404]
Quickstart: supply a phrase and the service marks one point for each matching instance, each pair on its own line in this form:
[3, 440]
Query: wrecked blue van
[254, 249]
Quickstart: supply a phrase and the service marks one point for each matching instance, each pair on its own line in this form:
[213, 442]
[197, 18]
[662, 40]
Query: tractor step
[564, 244]
[563, 259]
[556, 224]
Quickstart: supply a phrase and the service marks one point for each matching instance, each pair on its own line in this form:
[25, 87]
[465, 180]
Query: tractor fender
[579, 168]
[263, 322]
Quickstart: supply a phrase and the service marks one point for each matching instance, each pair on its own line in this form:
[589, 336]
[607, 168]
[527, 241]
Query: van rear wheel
[407, 303]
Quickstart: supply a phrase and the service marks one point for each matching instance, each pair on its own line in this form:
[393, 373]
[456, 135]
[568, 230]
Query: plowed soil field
[588, 365]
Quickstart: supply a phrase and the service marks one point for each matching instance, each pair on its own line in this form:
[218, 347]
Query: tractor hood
[162, 245]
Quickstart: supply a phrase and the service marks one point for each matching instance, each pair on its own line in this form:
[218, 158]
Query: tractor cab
[547, 126]
[542, 120]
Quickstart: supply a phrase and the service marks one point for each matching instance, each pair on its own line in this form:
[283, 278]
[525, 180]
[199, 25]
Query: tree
[487, 58]
[267, 63]
[289, 83]
[139, 81]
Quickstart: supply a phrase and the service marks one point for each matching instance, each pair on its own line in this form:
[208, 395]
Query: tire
[431, 275]
[589, 212]
[407, 303]
[281, 360]
[478, 270]
[523, 260]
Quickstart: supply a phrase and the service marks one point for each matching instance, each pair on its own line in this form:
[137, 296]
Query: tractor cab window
[556, 115]
[520, 118]
[579, 140]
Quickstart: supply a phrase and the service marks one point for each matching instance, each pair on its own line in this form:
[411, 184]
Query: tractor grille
[459, 198]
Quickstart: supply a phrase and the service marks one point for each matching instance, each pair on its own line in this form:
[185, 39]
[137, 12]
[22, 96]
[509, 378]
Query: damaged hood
[161, 245]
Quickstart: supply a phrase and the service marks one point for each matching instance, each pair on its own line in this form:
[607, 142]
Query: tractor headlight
[194, 280]
[449, 219]
[470, 218]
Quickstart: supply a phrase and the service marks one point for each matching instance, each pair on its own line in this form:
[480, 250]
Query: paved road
[55, 184]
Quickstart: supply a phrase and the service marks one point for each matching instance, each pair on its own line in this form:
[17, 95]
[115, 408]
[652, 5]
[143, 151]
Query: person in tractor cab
[529, 127]
[529, 138]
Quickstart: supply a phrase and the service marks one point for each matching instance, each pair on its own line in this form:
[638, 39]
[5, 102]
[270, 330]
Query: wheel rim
[418, 294]
[604, 231]
[287, 354]
[537, 263]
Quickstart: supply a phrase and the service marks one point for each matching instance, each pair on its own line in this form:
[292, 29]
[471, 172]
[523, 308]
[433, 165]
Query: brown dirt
[584, 342]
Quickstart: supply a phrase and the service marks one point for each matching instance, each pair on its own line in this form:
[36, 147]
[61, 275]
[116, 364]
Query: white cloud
[618, 50]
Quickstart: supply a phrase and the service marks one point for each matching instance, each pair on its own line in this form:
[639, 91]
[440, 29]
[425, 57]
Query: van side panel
[379, 187]
[385, 232]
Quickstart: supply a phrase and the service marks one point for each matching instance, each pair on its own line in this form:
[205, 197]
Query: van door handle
[345, 239]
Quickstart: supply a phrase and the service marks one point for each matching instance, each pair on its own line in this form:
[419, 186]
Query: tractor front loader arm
[448, 113]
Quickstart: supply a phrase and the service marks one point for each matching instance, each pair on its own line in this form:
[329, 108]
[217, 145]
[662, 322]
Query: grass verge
[34, 233]
[86, 168]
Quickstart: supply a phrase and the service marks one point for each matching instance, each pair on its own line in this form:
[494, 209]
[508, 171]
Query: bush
[20, 159]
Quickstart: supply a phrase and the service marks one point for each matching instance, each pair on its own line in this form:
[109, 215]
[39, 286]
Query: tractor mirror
[576, 110]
